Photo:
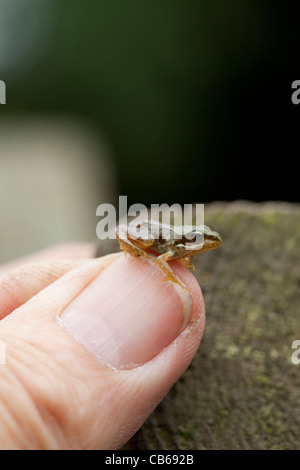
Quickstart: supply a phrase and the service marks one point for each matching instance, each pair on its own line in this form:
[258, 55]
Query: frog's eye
[196, 236]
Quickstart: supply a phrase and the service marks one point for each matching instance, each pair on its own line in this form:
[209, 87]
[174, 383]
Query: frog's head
[202, 238]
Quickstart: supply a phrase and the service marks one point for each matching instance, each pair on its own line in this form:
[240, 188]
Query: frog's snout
[218, 239]
[213, 240]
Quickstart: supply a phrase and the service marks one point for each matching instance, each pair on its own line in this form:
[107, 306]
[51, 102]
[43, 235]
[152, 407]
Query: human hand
[92, 346]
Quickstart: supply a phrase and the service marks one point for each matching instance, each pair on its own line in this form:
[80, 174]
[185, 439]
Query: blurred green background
[192, 97]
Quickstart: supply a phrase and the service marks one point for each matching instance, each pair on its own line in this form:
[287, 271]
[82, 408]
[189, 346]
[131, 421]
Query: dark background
[194, 97]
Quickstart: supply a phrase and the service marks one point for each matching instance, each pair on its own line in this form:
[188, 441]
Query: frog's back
[154, 230]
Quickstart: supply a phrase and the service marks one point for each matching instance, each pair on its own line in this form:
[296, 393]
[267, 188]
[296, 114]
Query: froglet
[160, 242]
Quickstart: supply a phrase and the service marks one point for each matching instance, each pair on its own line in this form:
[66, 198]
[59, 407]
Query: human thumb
[92, 354]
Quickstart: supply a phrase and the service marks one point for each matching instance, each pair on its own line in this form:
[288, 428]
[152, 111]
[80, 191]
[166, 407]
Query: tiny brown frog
[161, 243]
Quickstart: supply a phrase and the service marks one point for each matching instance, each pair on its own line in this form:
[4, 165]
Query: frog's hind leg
[161, 261]
[129, 248]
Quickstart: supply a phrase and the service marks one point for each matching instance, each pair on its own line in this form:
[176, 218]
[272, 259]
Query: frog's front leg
[187, 262]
